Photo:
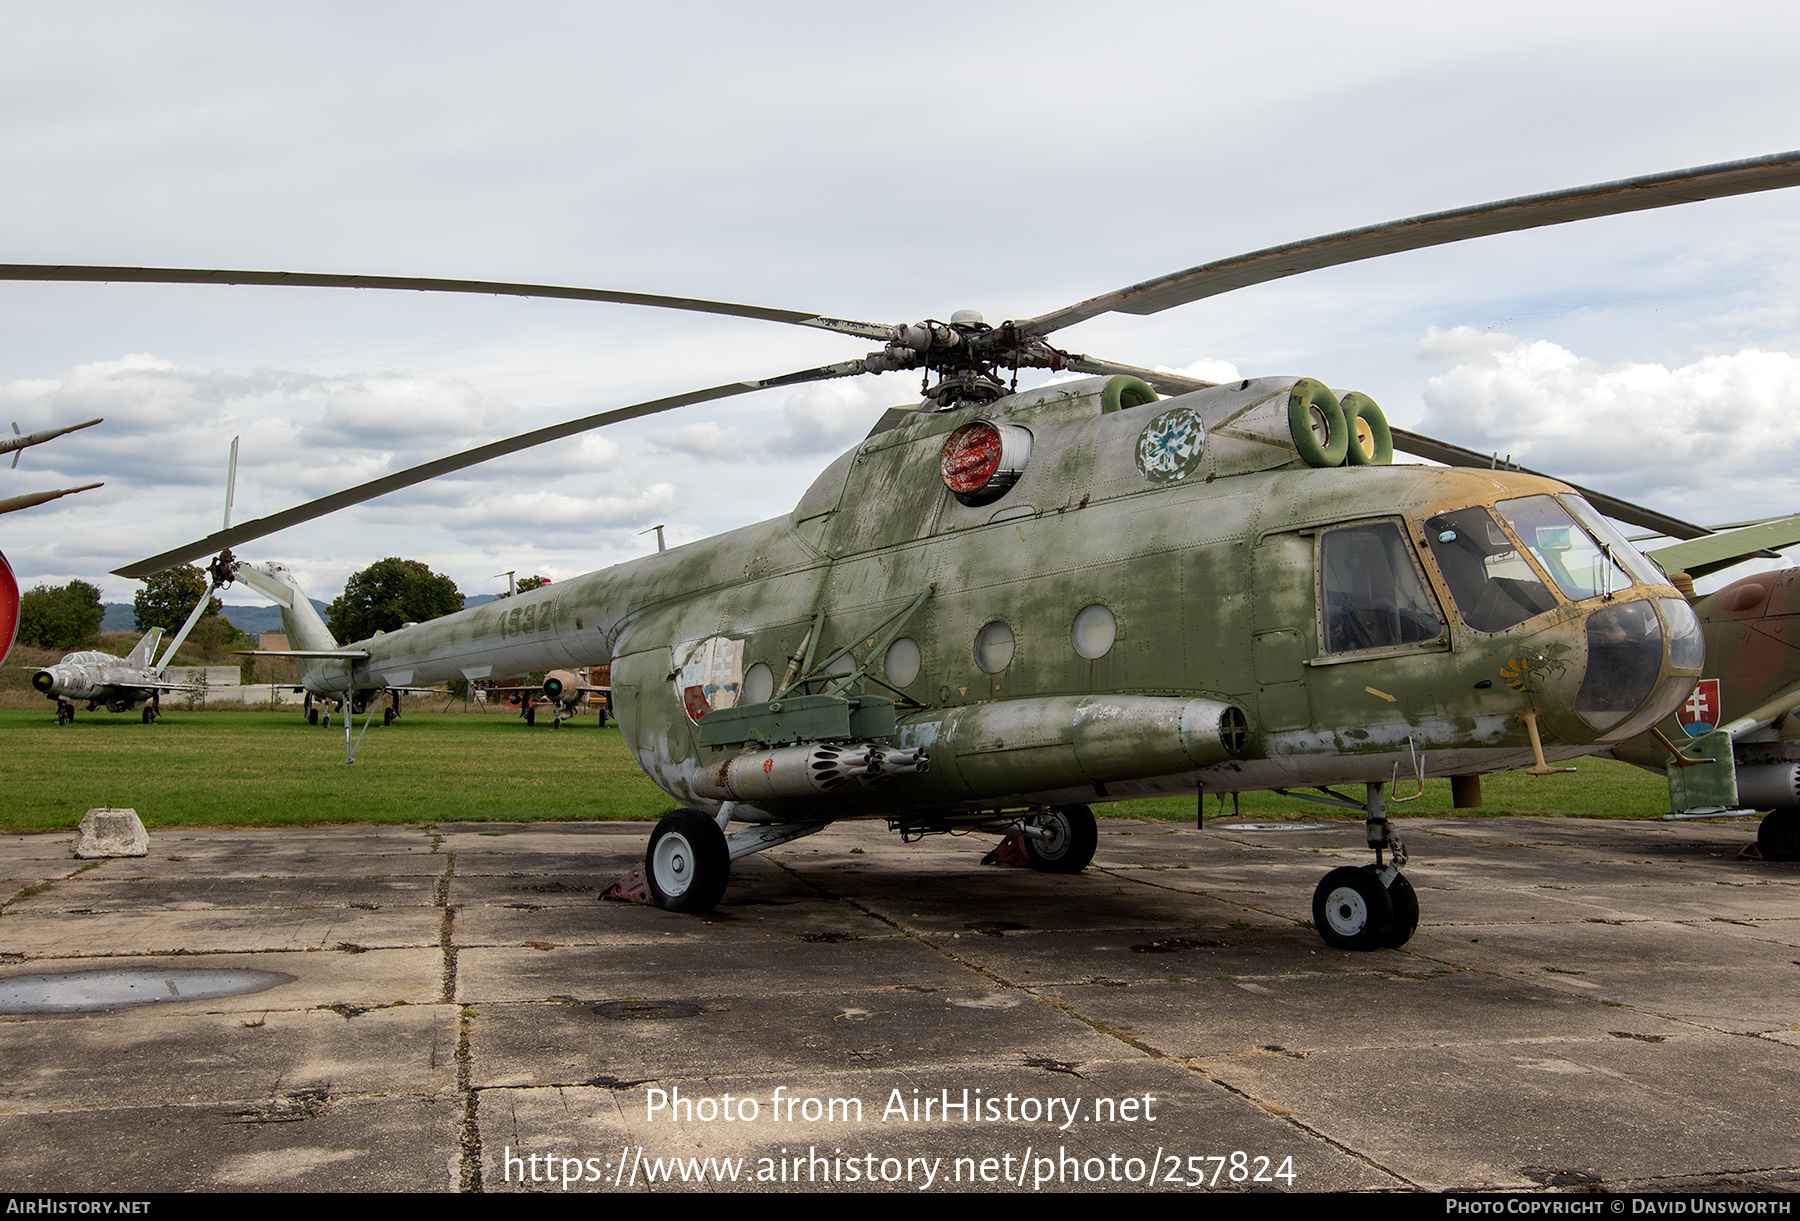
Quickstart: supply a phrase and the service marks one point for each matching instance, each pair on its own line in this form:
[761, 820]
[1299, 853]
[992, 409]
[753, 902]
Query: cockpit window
[1635, 561]
[1574, 561]
[1373, 595]
[1492, 585]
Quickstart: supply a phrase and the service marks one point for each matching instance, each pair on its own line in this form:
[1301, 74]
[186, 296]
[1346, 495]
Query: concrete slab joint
[109, 832]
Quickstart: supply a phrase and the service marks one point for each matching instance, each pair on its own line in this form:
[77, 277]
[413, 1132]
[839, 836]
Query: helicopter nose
[1631, 682]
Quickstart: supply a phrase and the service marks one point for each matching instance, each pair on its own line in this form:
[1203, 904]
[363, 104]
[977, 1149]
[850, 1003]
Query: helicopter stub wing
[1433, 229]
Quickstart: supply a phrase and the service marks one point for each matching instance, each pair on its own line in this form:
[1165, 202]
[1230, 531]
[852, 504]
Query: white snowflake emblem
[1171, 446]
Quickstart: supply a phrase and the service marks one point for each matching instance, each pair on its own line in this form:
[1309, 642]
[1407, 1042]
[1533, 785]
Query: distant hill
[251, 620]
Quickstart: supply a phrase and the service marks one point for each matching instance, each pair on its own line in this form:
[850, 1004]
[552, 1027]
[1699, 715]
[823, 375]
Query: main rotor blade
[13, 503]
[188, 275]
[1165, 383]
[1422, 446]
[257, 528]
[1434, 229]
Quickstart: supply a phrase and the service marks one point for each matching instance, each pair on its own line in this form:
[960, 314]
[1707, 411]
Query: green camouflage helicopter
[1002, 607]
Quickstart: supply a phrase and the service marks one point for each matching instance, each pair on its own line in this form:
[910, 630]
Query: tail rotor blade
[231, 483]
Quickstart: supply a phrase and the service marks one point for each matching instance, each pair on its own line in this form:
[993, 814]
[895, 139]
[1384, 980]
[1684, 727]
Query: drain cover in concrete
[89, 991]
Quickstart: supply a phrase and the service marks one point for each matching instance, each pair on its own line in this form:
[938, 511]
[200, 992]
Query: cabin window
[994, 647]
[1094, 631]
[1493, 586]
[1373, 595]
[901, 664]
[1580, 567]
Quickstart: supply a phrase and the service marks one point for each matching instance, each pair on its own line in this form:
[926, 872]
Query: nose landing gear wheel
[1778, 839]
[1406, 911]
[1352, 911]
[1070, 837]
[687, 863]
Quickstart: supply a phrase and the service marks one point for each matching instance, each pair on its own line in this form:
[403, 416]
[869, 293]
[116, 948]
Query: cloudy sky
[889, 163]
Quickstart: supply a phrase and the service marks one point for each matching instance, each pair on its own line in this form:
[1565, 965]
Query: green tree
[389, 593]
[60, 617]
[168, 597]
[526, 583]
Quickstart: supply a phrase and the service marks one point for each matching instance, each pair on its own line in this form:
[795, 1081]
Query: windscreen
[1492, 584]
[1568, 553]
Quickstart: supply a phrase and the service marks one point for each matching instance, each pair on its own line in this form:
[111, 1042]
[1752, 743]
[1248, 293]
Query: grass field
[255, 768]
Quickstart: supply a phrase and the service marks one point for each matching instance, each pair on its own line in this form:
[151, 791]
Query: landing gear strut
[1370, 908]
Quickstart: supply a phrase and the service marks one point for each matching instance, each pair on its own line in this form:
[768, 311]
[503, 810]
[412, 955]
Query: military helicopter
[1004, 606]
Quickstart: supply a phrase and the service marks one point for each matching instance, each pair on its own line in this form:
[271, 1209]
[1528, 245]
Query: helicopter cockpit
[1504, 564]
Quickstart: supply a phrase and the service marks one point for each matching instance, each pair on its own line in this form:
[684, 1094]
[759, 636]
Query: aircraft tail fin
[305, 628]
[142, 655]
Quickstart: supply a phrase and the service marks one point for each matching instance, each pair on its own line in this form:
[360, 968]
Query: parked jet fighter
[564, 692]
[119, 684]
[1001, 607]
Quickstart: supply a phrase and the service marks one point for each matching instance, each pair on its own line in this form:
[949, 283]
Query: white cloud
[827, 418]
[1714, 437]
[1207, 370]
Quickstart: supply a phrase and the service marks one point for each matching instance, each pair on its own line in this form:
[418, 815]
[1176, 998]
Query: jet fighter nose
[44, 681]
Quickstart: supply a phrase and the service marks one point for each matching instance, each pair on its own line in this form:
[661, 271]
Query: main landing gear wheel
[1352, 911]
[1778, 839]
[531, 716]
[149, 714]
[687, 863]
[387, 718]
[1070, 837]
